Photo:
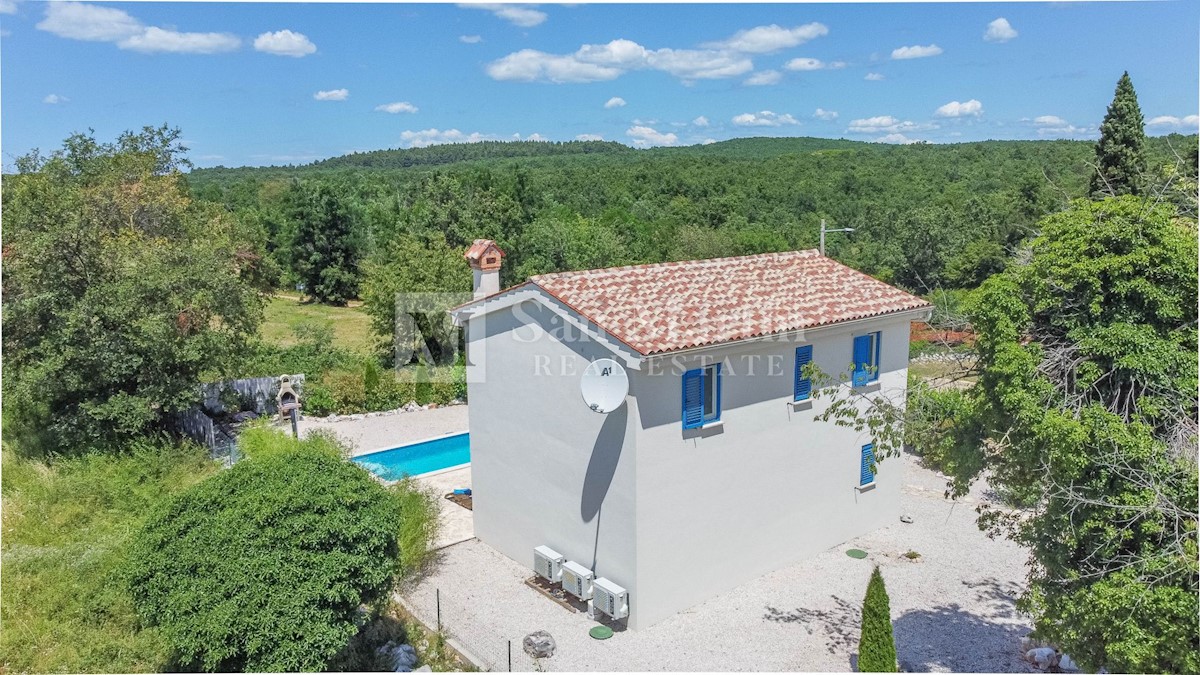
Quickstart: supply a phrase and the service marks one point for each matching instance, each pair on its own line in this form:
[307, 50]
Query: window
[803, 385]
[701, 396]
[866, 474]
[866, 358]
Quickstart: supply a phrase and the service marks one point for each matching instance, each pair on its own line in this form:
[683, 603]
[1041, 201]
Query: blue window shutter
[803, 385]
[716, 393]
[862, 359]
[875, 362]
[867, 472]
[693, 399]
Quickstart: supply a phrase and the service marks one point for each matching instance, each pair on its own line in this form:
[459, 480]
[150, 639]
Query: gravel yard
[952, 609]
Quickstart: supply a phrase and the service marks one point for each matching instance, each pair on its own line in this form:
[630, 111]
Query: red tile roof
[666, 307]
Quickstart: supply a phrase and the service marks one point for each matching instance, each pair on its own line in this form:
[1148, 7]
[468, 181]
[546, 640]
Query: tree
[121, 293]
[263, 567]
[1087, 405]
[424, 267]
[876, 647]
[1120, 158]
[324, 242]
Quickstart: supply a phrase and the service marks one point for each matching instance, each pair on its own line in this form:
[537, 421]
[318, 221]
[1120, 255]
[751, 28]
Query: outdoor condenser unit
[548, 563]
[577, 580]
[610, 598]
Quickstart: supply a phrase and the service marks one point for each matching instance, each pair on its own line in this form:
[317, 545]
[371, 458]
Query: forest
[925, 216]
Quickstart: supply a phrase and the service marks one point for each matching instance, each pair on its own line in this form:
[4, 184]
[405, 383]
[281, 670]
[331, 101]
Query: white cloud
[804, 64]
[285, 43]
[956, 109]
[470, 39]
[647, 136]
[827, 115]
[589, 137]
[595, 63]
[155, 39]
[708, 141]
[873, 77]
[999, 31]
[886, 124]
[699, 64]
[767, 39]
[1191, 121]
[514, 14]
[1066, 130]
[536, 137]
[530, 65]
[896, 138]
[614, 102]
[84, 21]
[427, 137]
[332, 95]
[700, 121]
[764, 77]
[618, 53]
[8, 6]
[54, 99]
[394, 108]
[764, 118]
[1057, 127]
[1049, 120]
[915, 52]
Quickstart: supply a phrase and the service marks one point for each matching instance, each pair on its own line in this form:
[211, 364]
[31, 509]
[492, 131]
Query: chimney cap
[484, 254]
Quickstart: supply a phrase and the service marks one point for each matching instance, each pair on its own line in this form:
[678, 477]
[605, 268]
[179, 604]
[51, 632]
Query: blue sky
[278, 83]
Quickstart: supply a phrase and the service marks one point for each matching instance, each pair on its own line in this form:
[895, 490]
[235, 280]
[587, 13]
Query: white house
[714, 471]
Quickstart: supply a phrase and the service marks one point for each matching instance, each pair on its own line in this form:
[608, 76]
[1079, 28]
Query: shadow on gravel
[841, 625]
[948, 637]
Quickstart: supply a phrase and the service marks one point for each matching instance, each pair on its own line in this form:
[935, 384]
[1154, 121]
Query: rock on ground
[539, 645]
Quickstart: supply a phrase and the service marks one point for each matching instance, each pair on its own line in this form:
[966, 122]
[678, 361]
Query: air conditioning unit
[548, 563]
[577, 580]
[610, 598]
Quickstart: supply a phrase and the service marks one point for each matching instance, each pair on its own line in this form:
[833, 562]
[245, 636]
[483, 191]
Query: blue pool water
[415, 459]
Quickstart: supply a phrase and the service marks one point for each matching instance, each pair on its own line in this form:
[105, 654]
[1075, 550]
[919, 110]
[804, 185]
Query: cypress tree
[1120, 161]
[876, 648]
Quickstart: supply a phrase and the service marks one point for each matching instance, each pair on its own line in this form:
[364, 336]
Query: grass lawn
[66, 528]
[941, 373]
[351, 326]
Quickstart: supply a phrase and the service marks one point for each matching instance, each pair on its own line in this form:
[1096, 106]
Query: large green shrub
[876, 648]
[265, 566]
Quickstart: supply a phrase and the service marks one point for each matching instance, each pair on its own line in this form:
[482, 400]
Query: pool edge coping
[405, 445]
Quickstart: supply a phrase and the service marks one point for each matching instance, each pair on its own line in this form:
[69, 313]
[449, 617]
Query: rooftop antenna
[824, 230]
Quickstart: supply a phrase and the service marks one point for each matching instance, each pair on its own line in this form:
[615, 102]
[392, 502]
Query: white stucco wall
[716, 508]
[545, 469]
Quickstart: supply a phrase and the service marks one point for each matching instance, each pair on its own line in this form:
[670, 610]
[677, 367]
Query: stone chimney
[485, 258]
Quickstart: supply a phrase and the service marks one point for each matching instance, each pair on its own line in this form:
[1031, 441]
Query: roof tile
[671, 306]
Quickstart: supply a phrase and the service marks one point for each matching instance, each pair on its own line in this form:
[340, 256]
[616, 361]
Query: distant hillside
[465, 152]
[764, 147]
[537, 153]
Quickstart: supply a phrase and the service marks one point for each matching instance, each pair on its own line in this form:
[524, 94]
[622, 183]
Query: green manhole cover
[601, 632]
[856, 554]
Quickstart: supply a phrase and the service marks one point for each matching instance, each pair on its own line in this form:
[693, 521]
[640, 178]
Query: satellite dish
[604, 385]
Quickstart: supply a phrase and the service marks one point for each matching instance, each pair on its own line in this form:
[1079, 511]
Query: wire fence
[473, 627]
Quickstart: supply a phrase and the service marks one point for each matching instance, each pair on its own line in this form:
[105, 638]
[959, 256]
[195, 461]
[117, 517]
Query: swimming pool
[418, 458]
